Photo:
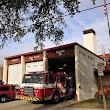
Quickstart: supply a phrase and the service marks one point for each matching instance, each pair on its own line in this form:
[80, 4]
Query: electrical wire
[87, 9]
[75, 13]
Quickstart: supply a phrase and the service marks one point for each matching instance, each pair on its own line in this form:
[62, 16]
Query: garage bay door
[34, 66]
[14, 76]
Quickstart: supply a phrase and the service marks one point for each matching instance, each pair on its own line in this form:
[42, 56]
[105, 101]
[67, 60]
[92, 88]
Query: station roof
[50, 49]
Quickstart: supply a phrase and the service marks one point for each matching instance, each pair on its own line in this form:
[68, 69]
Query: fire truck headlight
[21, 89]
[35, 94]
[35, 90]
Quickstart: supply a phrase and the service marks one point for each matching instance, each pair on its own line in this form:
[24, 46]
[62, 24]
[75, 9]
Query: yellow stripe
[31, 98]
[16, 97]
[28, 98]
[37, 98]
[24, 97]
[21, 97]
[34, 99]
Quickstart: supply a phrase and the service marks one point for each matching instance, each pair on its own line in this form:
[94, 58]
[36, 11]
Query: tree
[45, 18]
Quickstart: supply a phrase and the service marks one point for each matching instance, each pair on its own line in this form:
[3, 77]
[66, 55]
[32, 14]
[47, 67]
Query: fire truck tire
[55, 97]
[2, 99]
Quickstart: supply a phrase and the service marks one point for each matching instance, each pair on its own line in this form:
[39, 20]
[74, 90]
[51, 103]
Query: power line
[75, 13]
[94, 7]
[88, 9]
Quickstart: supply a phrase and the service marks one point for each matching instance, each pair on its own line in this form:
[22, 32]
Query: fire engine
[6, 92]
[42, 86]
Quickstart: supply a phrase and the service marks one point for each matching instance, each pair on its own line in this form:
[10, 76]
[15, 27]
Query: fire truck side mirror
[56, 79]
[12, 87]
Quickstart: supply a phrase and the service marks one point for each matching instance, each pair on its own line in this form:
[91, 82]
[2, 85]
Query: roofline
[50, 49]
[41, 51]
[89, 31]
[105, 54]
[90, 51]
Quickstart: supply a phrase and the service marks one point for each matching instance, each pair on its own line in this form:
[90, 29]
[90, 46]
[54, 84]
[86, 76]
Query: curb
[80, 109]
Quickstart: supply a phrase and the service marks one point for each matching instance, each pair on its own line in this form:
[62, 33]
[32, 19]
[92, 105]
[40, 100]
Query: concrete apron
[81, 109]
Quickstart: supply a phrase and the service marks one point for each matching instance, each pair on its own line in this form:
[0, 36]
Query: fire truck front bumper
[27, 98]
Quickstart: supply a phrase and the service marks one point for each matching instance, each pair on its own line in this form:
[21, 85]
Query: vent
[28, 90]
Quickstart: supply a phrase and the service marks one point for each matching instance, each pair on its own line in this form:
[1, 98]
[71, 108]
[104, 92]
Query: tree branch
[3, 3]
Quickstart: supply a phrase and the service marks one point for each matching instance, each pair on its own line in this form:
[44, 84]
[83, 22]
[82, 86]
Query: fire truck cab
[6, 92]
[42, 86]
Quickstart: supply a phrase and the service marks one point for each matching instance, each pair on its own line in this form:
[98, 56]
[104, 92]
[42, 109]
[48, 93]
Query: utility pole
[101, 68]
[106, 14]
[104, 101]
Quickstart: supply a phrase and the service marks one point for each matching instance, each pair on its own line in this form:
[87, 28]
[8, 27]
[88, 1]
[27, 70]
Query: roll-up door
[34, 66]
[14, 74]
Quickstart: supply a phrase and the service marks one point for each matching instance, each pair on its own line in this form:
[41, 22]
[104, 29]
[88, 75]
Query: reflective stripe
[27, 98]
[31, 98]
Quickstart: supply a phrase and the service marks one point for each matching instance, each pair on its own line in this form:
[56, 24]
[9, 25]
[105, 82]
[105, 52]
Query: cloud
[94, 19]
[73, 33]
[14, 48]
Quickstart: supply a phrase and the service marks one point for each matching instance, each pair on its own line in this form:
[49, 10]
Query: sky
[94, 19]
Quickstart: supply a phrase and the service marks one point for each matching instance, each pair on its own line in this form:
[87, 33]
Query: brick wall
[107, 58]
[106, 85]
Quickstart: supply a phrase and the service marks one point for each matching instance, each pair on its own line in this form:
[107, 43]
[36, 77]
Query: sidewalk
[67, 103]
[81, 109]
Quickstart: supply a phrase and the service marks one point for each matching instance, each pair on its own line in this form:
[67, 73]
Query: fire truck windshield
[33, 78]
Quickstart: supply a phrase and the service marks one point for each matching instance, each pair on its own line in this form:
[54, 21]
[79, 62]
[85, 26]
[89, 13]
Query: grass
[92, 103]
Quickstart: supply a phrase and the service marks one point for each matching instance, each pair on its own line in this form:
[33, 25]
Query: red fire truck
[42, 86]
[6, 92]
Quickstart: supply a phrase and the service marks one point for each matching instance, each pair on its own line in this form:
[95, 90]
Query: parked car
[7, 92]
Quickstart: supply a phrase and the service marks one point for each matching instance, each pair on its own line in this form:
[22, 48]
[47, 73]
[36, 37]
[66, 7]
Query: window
[108, 61]
[35, 65]
[33, 78]
[37, 78]
[48, 78]
[3, 88]
[62, 78]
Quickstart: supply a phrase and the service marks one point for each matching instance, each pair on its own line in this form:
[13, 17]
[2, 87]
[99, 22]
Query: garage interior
[64, 64]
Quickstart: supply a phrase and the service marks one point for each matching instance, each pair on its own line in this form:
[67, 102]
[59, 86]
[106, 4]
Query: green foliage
[45, 18]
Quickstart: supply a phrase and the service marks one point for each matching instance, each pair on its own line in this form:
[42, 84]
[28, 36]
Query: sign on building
[101, 68]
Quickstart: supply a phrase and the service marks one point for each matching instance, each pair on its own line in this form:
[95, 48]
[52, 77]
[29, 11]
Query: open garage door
[14, 74]
[34, 66]
[67, 65]
[62, 64]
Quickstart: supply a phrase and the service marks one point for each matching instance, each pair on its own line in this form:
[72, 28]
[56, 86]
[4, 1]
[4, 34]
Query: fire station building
[73, 59]
[1, 72]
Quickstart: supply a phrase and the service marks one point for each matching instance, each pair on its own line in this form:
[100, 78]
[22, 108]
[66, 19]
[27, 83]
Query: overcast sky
[94, 19]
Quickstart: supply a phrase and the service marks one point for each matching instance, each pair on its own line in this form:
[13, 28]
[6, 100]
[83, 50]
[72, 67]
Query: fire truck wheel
[55, 97]
[2, 99]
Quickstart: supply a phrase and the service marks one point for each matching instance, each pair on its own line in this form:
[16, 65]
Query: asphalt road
[26, 105]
